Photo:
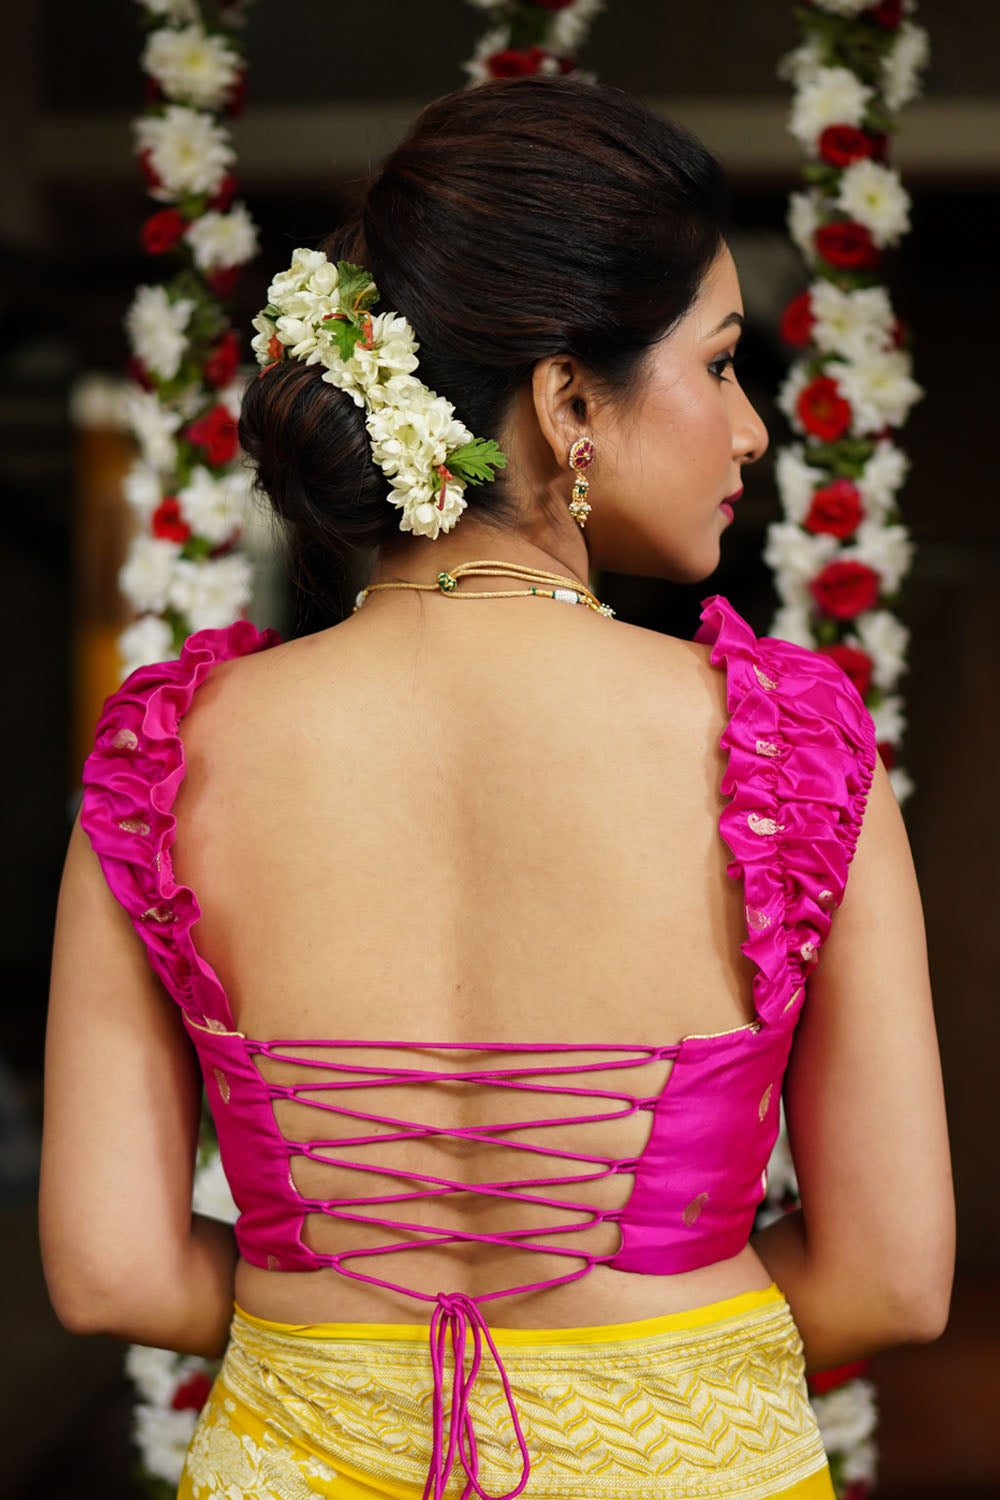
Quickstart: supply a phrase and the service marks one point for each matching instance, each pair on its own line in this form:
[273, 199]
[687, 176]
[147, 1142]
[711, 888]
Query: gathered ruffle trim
[801, 748]
[130, 782]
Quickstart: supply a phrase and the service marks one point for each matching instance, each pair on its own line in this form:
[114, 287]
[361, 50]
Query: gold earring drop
[581, 456]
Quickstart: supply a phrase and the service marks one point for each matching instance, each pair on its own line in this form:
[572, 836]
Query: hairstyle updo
[520, 219]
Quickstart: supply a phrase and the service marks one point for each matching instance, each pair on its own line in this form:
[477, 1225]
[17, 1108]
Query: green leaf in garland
[357, 290]
[345, 335]
[473, 462]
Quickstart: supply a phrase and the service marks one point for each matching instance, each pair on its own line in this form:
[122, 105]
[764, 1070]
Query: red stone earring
[581, 456]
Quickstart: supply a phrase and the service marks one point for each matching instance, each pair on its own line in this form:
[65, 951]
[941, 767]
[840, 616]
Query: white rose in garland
[191, 64]
[186, 150]
[156, 327]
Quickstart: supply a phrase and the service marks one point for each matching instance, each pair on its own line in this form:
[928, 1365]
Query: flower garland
[184, 569]
[531, 36]
[840, 552]
[319, 312]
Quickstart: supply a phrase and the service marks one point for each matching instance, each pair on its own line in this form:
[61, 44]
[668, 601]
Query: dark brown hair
[521, 219]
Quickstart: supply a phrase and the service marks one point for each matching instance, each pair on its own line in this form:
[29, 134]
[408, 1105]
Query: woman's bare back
[489, 821]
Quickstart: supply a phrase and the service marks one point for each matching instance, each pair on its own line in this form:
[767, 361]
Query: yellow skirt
[701, 1405]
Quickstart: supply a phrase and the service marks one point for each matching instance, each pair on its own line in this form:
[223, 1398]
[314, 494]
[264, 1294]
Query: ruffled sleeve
[801, 747]
[130, 781]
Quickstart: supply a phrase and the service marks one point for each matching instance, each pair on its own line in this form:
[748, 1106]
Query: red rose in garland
[857, 665]
[844, 588]
[888, 14]
[847, 245]
[835, 509]
[224, 194]
[822, 410]
[192, 1393]
[168, 523]
[161, 231]
[841, 144]
[222, 363]
[887, 753]
[215, 435]
[223, 283]
[515, 62]
[797, 321]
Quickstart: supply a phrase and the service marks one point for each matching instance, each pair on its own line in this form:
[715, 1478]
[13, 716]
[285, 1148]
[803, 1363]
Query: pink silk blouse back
[801, 748]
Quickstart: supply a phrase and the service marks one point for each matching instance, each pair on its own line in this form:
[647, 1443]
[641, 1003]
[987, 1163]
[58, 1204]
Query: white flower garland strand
[317, 312]
[840, 552]
[527, 37]
[185, 570]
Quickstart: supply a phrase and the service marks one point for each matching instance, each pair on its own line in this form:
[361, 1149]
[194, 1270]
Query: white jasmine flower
[211, 592]
[887, 549]
[797, 481]
[172, 10]
[885, 639]
[211, 1194]
[800, 65]
[889, 719]
[880, 389]
[163, 1436]
[792, 622]
[846, 1416]
[796, 556]
[267, 329]
[828, 96]
[568, 27]
[146, 576]
[149, 639]
[901, 783]
[422, 513]
[221, 240]
[190, 64]
[902, 65]
[851, 323]
[882, 476]
[143, 490]
[804, 217]
[187, 150]
[156, 328]
[154, 427]
[211, 506]
[874, 196]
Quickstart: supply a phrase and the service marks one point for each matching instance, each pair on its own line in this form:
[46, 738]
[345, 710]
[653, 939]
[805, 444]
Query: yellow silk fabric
[702, 1405]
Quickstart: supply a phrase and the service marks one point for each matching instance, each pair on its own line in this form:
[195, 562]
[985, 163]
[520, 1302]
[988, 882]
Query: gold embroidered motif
[767, 747]
[765, 1100]
[162, 913]
[134, 825]
[767, 683]
[792, 1001]
[763, 826]
[808, 951]
[826, 898]
[222, 1083]
[694, 1208]
[756, 918]
[125, 740]
[713, 1411]
[273, 1263]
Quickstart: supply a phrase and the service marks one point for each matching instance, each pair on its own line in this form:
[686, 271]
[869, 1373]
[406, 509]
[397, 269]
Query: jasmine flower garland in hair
[320, 313]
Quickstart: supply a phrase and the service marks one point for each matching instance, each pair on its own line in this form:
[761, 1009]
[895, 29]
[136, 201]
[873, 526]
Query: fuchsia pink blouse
[801, 758]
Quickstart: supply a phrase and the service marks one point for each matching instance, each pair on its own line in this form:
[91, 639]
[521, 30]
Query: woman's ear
[562, 405]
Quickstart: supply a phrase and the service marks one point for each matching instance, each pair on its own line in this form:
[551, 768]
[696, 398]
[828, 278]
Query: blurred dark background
[331, 88]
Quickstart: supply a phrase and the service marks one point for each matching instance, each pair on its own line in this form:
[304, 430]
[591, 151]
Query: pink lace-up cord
[457, 1316]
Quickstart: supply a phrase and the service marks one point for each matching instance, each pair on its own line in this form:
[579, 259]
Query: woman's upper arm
[864, 1099]
[122, 1108]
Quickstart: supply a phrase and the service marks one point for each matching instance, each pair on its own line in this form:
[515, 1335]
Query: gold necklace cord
[447, 583]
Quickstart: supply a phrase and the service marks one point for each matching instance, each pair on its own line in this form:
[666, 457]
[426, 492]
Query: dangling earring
[581, 456]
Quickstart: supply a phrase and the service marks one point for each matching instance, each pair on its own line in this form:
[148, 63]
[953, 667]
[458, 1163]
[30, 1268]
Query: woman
[493, 1045]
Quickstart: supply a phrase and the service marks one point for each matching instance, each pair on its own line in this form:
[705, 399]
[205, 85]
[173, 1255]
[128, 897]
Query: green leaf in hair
[473, 462]
[357, 290]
